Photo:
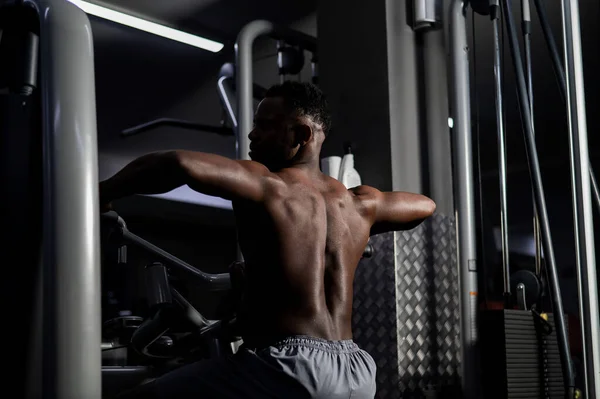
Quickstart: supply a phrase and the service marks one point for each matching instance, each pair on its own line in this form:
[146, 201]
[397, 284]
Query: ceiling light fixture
[147, 26]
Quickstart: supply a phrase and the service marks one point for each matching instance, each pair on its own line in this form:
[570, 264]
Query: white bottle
[331, 166]
[348, 175]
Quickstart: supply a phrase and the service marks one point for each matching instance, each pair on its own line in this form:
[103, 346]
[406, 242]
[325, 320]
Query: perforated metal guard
[406, 310]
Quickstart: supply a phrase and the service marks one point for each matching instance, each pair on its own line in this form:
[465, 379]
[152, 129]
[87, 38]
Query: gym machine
[70, 228]
[534, 361]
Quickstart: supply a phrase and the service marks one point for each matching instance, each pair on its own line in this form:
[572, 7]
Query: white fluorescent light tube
[147, 26]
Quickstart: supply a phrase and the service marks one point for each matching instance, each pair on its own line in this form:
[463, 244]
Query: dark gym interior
[376, 69]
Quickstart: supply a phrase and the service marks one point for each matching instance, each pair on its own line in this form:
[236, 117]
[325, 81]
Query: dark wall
[354, 75]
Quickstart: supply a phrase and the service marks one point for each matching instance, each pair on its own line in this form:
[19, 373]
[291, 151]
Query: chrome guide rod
[464, 196]
[526, 29]
[495, 15]
[582, 201]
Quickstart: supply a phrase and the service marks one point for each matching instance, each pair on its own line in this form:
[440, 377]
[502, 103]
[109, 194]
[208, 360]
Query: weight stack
[519, 358]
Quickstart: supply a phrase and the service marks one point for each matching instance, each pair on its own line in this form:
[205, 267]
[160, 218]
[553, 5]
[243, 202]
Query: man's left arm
[394, 211]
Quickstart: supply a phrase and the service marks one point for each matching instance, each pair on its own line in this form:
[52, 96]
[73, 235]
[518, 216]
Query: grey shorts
[295, 367]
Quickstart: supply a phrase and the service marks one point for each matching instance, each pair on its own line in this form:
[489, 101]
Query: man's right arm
[211, 174]
[394, 211]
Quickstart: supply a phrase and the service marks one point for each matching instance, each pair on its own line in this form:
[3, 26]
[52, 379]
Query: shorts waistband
[342, 346]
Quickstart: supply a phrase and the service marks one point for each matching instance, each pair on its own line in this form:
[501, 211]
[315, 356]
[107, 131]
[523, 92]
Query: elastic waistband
[344, 346]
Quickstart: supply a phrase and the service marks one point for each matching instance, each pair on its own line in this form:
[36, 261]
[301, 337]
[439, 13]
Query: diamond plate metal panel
[406, 310]
[428, 307]
[374, 315]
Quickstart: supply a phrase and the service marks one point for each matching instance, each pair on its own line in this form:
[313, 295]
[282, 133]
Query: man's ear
[303, 134]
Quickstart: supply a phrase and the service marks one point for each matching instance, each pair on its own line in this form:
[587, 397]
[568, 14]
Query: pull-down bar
[214, 282]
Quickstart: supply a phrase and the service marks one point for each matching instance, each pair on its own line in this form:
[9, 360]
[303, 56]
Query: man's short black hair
[304, 98]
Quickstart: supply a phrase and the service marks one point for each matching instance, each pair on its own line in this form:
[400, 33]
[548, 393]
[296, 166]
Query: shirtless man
[302, 234]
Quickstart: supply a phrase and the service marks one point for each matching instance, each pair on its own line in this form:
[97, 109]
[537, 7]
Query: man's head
[290, 125]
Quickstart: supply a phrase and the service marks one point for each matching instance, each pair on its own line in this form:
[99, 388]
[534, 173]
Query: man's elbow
[176, 166]
[429, 207]
[182, 161]
[178, 157]
[425, 209]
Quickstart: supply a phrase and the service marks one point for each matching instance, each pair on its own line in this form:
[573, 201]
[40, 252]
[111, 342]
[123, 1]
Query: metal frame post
[582, 202]
[71, 257]
[526, 29]
[464, 196]
[495, 15]
[244, 82]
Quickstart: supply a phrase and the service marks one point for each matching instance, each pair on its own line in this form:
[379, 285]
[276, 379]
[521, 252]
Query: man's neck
[311, 167]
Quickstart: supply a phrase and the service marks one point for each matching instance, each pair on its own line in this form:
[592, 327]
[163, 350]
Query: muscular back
[301, 248]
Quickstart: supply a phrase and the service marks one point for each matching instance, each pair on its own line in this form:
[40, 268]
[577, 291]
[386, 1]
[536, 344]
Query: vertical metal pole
[582, 203]
[538, 190]
[526, 15]
[244, 86]
[244, 79]
[495, 14]
[526, 27]
[464, 196]
[72, 355]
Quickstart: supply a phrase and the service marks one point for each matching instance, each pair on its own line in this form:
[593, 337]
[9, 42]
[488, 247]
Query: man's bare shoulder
[255, 167]
[270, 179]
[366, 199]
[365, 192]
